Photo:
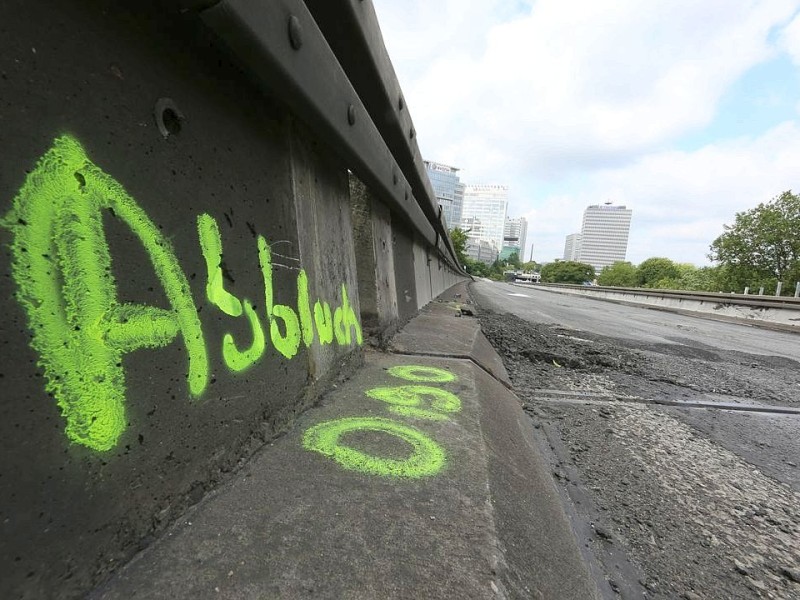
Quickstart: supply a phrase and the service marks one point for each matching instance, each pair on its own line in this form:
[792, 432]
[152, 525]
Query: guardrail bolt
[351, 114]
[401, 104]
[411, 133]
[169, 118]
[295, 32]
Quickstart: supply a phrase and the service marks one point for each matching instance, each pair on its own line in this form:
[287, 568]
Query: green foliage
[530, 266]
[459, 238]
[476, 267]
[513, 261]
[620, 274]
[656, 272]
[762, 247]
[689, 277]
[567, 271]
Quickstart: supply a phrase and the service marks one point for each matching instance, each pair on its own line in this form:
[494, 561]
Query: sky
[685, 111]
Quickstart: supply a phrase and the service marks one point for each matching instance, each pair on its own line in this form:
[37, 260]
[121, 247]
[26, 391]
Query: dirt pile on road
[670, 502]
[534, 353]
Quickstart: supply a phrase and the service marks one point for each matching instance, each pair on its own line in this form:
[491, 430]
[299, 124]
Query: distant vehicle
[522, 277]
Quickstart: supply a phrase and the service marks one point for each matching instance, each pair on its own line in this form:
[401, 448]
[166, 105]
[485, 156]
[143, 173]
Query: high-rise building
[448, 189]
[604, 235]
[572, 247]
[483, 214]
[481, 250]
[515, 234]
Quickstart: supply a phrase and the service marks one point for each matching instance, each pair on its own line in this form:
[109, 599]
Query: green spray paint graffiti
[406, 401]
[62, 267]
[427, 458]
[80, 329]
[422, 373]
[287, 326]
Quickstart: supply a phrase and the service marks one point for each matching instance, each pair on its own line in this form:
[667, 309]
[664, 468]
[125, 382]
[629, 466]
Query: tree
[620, 274]
[459, 238]
[567, 271]
[530, 266]
[476, 267]
[513, 260]
[654, 270]
[762, 247]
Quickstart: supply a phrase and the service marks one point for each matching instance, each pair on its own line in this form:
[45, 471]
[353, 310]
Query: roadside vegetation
[760, 249]
[479, 269]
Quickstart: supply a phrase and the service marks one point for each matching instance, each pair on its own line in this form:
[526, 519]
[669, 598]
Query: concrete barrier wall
[781, 313]
[181, 277]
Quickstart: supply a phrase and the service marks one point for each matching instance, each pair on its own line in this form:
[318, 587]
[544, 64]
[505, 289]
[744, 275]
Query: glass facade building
[448, 189]
[483, 214]
[515, 235]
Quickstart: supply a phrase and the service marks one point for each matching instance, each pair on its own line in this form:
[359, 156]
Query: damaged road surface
[674, 440]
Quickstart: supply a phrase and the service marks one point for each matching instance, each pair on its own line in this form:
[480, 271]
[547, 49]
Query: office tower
[572, 247]
[604, 235]
[448, 189]
[515, 233]
[481, 250]
[483, 213]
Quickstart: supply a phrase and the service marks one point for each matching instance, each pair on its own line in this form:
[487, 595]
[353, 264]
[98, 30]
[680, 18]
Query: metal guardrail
[721, 297]
[352, 30]
[326, 59]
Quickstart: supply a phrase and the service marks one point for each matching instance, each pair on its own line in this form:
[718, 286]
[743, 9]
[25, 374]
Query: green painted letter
[62, 268]
[211, 246]
[287, 342]
[344, 318]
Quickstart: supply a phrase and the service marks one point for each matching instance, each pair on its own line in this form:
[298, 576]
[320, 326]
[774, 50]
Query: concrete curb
[300, 521]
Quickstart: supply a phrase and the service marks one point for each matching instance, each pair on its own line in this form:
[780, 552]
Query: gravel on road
[668, 502]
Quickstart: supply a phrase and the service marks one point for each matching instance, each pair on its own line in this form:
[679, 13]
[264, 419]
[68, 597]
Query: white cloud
[588, 99]
[603, 79]
[681, 200]
[790, 39]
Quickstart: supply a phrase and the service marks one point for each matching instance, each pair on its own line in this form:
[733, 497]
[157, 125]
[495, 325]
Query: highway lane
[668, 501]
[540, 305]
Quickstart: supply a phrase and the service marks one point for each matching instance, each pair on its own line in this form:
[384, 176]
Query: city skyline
[687, 113]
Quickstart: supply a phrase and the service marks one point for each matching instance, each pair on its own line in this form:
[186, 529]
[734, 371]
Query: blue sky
[686, 111]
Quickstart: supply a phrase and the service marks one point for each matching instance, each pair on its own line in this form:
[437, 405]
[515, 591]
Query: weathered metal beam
[283, 49]
[352, 30]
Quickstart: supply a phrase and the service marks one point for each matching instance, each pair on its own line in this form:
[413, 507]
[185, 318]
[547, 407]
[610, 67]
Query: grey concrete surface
[447, 327]
[83, 84]
[372, 231]
[94, 70]
[668, 501]
[723, 307]
[631, 322]
[296, 524]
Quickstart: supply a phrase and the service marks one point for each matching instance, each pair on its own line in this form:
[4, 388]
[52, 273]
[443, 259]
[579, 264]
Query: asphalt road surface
[674, 440]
